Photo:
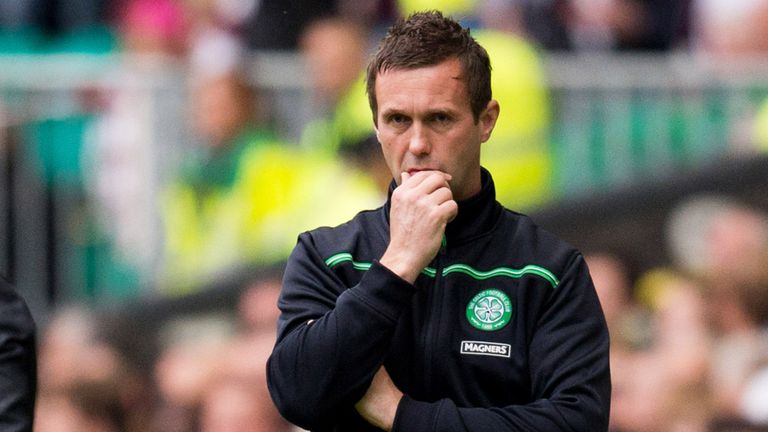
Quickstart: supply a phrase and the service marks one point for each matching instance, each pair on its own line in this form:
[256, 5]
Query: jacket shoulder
[539, 243]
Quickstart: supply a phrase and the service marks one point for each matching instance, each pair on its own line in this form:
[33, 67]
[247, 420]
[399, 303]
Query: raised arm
[332, 340]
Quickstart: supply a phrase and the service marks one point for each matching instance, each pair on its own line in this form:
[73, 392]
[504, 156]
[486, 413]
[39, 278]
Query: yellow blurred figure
[518, 153]
[334, 50]
[276, 193]
[244, 201]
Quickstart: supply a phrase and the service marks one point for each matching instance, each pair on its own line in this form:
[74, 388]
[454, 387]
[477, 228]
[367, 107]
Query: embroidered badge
[489, 310]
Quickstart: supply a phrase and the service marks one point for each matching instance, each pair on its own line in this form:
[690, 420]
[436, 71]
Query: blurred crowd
[153, 205]
[689, 344]
[689, 341]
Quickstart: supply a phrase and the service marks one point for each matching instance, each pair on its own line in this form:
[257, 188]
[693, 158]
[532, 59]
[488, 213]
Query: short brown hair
[427, 39]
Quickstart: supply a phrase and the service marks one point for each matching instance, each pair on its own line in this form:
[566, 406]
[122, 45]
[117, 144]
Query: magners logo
[489, 310]
[486, 348]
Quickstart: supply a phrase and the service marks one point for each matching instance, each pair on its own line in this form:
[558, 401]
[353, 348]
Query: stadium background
[635, 129]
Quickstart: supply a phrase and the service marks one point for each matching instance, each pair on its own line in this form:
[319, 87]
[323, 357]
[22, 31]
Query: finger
[441, 195]
[426, 182]
[450, 209]
[420, 176]
[404, 176]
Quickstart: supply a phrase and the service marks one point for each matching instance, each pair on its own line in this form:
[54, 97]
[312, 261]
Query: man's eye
[397, 118]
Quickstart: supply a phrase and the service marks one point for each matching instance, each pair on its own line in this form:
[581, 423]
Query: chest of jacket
[466, 333]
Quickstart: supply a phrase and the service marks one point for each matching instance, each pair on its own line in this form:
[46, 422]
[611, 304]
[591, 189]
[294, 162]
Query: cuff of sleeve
[413, 415]
[385, 291]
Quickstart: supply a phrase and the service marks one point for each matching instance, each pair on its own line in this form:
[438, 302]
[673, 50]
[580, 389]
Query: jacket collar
[477, 215]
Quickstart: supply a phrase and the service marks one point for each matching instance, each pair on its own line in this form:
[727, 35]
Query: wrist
[400, 265]
[383, 410]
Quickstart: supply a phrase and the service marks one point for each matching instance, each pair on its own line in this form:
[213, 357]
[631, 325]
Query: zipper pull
[443, 245]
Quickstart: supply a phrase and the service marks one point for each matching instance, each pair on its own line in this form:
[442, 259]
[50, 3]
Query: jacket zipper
[432, 322]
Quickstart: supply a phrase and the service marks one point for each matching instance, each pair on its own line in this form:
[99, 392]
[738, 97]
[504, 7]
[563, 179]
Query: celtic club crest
[489, 310]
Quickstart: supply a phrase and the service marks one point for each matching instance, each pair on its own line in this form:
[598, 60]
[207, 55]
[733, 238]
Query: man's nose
[419, 143]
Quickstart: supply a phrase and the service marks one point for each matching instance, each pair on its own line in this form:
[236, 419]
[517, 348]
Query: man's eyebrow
[391, 111]
[441, 111]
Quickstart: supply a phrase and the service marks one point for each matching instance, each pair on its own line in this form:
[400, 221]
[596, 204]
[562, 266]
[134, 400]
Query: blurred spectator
[614, 281]
[335, 51]
[518, 154]
[71, 349]
[239, 392]
[243, 200]
[85, 384]
[209, 211]
[188, 363]
[681, 338]
[240, 401]
[662, 386]
[739, 310]
[642, 401]
[211, 373]
[715, 237]
[726, 244]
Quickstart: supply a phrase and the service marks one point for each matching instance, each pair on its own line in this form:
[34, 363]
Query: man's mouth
[413, 171]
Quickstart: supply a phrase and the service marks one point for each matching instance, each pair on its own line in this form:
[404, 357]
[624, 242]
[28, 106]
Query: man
[18, 365]
[441, 310]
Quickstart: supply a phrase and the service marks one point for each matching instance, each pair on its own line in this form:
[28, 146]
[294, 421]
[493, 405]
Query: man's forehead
[446, 72]
[451, 62]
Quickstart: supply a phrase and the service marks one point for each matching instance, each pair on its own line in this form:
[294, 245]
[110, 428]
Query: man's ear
[488, 119]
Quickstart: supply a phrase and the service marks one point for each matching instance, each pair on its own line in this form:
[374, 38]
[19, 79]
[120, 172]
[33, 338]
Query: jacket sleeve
[331, 339]
[570, 373]
[18, 362]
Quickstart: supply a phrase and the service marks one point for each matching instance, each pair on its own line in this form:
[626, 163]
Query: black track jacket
[503, 331]
[18, 362]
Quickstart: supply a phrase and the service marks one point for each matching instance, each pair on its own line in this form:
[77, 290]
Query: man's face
[425, 122]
